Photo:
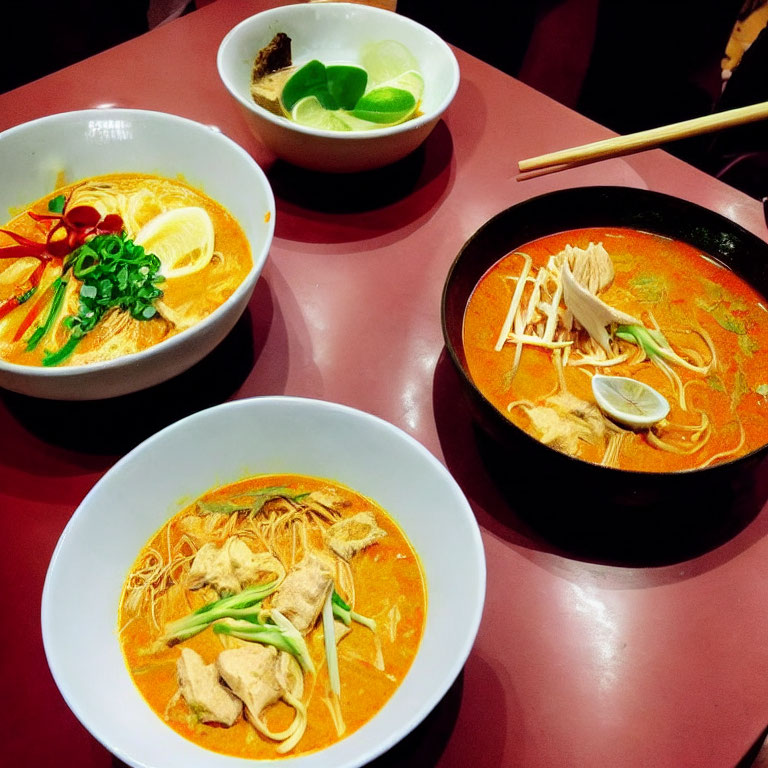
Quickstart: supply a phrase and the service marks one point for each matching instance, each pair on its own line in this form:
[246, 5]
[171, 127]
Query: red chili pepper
[43, 216]
[80, 223]
[19, 251]
[30, 284]
[111, 224]
[32, 314]
[81, 217]
[32, 248]
[9, 305]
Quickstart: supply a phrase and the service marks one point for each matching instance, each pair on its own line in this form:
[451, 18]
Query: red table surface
[580, 661]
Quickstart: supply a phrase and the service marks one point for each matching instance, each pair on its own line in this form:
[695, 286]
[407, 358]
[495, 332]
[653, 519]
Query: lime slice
[181, 238]
[393, 102]
[311, 113]
[628, 401]
[386, 60]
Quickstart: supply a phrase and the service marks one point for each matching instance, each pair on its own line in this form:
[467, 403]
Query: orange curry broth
[675, 282]
[386, 574]
[198, 294]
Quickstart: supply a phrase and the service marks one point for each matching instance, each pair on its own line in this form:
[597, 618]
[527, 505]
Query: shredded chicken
[591, 266]
[592, 313]
[565, 420]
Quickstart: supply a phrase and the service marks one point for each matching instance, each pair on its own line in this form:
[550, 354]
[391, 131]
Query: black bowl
[517, 455]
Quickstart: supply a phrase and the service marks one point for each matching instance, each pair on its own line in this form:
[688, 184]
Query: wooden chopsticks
[635, 142]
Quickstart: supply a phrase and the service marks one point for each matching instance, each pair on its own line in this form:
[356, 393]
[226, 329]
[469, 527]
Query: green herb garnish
[275, 630]
[244, 605]
[59, 288]
[344, 613]
[56, 204]
[115, 273]
[253, 501]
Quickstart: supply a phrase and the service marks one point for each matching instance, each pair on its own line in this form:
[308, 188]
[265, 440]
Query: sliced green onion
[60, 286]
[329, 640]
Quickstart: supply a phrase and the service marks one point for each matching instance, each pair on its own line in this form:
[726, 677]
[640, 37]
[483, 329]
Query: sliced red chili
[33, 246]
[112, 223]
[81, 217]
[32, 315]
[9, 305]
[79, 223]
[19, 251]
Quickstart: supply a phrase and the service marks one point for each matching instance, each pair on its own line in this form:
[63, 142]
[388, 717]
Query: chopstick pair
[635, 142]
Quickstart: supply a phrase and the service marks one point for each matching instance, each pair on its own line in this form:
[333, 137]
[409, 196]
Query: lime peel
[628, 401]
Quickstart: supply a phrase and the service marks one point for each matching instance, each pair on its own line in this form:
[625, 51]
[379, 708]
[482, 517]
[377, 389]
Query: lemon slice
[386, 59]
[181, 238]
[628, 401]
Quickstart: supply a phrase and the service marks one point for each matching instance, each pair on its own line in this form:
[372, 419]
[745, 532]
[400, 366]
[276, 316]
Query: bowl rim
[246, 285]
[563, 195]
[471, 618]
[337, 7]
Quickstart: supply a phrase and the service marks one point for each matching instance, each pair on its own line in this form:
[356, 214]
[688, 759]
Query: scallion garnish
[115, 272]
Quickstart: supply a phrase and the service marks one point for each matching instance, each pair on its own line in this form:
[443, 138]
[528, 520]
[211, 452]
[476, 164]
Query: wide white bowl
[100, 141]
[336, 32]
[221, 445]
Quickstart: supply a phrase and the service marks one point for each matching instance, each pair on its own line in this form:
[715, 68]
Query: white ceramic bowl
[100, 141]
[336, 32]
[221, 445]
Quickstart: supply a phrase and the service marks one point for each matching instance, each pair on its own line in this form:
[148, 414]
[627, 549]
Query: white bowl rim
[354, 135]
[471, 618]
[167, 345]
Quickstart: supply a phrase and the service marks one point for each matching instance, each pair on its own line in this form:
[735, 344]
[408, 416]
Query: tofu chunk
[251, 673]
[301, 596]
[347, 537]
[329, 497]
[205, 695]
[231, 567]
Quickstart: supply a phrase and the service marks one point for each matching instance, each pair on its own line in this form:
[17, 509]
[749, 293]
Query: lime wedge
[386, 60]
[393, 102]
[311, 113]
[628, 401]
[181, 238]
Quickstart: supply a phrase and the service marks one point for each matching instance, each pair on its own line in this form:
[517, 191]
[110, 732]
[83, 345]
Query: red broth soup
[548, 317]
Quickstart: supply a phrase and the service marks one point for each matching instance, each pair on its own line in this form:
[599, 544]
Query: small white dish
[221, 445]
[101, 141]
[334, 33]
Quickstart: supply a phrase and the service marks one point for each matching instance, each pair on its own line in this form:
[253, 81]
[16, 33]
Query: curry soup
[75, 288]
[286, 521]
